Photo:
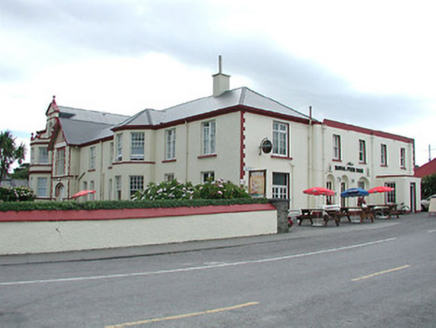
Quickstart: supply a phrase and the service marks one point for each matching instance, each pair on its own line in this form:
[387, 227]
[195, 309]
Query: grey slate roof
[241, 96]
[83, 126]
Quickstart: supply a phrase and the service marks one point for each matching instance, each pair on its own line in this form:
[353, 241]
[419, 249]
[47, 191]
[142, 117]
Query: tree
[9, 153]
[428, 186]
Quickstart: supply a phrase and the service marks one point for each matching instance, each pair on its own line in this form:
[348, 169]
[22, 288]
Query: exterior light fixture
[265, 146]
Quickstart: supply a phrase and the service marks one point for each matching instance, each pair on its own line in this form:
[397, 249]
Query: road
[356, 275]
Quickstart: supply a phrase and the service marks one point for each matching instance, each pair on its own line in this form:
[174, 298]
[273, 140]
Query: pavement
[296, 232]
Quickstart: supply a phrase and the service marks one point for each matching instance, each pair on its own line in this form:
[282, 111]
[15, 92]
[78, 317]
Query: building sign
[257, 183]
[348, 169]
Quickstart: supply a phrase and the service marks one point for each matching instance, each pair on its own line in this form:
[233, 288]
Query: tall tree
[9, 153]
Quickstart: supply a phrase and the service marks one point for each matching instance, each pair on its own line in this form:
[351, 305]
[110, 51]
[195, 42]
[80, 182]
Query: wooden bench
[305, 215]
[332, 215]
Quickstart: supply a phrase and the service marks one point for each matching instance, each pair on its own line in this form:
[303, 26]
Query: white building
[219, 136]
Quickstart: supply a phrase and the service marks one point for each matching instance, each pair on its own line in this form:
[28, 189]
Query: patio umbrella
[83, 193]
[354, 192]
[380, 189]
[319, 191]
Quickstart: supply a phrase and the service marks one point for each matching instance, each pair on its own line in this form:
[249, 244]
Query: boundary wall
[32, 232]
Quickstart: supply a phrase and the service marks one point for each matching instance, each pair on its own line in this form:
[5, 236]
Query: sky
[366, 63]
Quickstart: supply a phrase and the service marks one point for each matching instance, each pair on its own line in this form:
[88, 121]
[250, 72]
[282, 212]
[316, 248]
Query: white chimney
[221, 82]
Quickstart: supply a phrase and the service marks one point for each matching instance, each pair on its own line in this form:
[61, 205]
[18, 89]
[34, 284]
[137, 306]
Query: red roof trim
[349, 127]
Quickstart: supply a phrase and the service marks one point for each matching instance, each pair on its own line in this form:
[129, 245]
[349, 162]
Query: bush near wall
[17, 194]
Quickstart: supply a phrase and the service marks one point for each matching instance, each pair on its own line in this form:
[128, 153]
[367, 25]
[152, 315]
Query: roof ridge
[90, 110]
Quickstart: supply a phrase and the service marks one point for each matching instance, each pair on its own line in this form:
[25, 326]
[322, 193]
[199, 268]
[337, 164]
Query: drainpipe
[187, 151]
[309, 150]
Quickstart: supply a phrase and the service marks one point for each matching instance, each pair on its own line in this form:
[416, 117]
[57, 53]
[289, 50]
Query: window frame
[280, 191]
[40, 187]
[362, 151]
[137, 146]
[206, 175]
[383, 155]
[119, 147]
[208, 129]
[136, 183]
[60, 161]
[337, 147]
[170, 144]
[43, 155]
[92, 158]
[280, 139]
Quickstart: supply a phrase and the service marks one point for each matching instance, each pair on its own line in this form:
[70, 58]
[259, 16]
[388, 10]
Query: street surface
[355, 275]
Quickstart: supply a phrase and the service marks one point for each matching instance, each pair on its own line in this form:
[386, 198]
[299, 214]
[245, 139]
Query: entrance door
[413, 197]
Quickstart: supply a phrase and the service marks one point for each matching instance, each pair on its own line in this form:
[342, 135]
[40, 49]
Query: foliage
[21, 172]
[175, 190]
[96, 205]
[428, 186]
[17, 194]
[9, 153]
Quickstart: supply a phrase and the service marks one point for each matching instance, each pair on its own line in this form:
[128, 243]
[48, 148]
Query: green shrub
[17, 194]
[175, 190]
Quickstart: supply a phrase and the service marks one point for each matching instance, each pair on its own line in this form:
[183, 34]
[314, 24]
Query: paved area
[295, 233]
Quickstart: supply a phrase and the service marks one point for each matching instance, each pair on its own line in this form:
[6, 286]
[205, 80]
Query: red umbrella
[83, 193]
[319, 191]
[380, 189]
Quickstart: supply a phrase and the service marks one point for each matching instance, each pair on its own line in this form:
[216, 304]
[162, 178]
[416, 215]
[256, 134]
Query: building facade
[237, 135]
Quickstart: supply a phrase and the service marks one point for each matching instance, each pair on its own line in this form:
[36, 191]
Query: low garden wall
[42, 231]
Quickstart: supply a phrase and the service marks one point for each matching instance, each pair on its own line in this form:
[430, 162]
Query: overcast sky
[367, 63]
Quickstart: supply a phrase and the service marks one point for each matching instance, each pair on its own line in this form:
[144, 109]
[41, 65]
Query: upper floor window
[42, 155]
[42, 187]
[403, 158]
[209, 130]
[336, 147]
[280, 139]
[136, 184]
[92, 158]
[119, 141]
[383, 155]
[60, 161]
[111, 153]
[362, 151]
[170, 151]
[137, 146]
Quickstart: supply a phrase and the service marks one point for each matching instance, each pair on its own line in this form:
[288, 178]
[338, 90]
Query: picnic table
[385, 210]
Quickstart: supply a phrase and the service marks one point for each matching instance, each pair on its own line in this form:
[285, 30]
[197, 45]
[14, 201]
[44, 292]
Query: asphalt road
[356, 275]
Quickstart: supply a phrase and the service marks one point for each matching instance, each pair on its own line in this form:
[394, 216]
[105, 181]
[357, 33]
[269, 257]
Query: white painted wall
[62, 236]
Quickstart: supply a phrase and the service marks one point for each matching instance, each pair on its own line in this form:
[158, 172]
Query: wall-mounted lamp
[350, 164]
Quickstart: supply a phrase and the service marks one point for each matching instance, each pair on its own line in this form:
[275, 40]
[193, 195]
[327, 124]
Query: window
[110, 190]
[43, 155]
[118, 187]
[280, 185]
[111, 153]
[136, 183]
[329, 199]
[170, 138]
[169, 177]
[336, 147]
[119, 142]
[209, 129]
[207, 176]
[85, 187]
[92, 158]
[362, 151]
[384, 152]
[41, 188]
[280, 139]
[403, 158]
[91, 187]
[137, 146]
[391, 196]
[60, 161]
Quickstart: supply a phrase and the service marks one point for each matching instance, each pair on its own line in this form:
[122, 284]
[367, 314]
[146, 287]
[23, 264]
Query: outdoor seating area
[353, 214]
[362, 212]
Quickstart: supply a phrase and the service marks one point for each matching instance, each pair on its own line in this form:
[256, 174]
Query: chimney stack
[221, 82]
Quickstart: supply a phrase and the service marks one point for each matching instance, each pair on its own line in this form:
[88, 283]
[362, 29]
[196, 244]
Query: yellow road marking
[182, 316]
[381, 272]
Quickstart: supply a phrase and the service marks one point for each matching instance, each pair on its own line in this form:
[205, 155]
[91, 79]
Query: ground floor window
[118, 187]
[207, 176]
[169, 177]
[280, 187]
[391, 196]
[41, 189]
[136, 184]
